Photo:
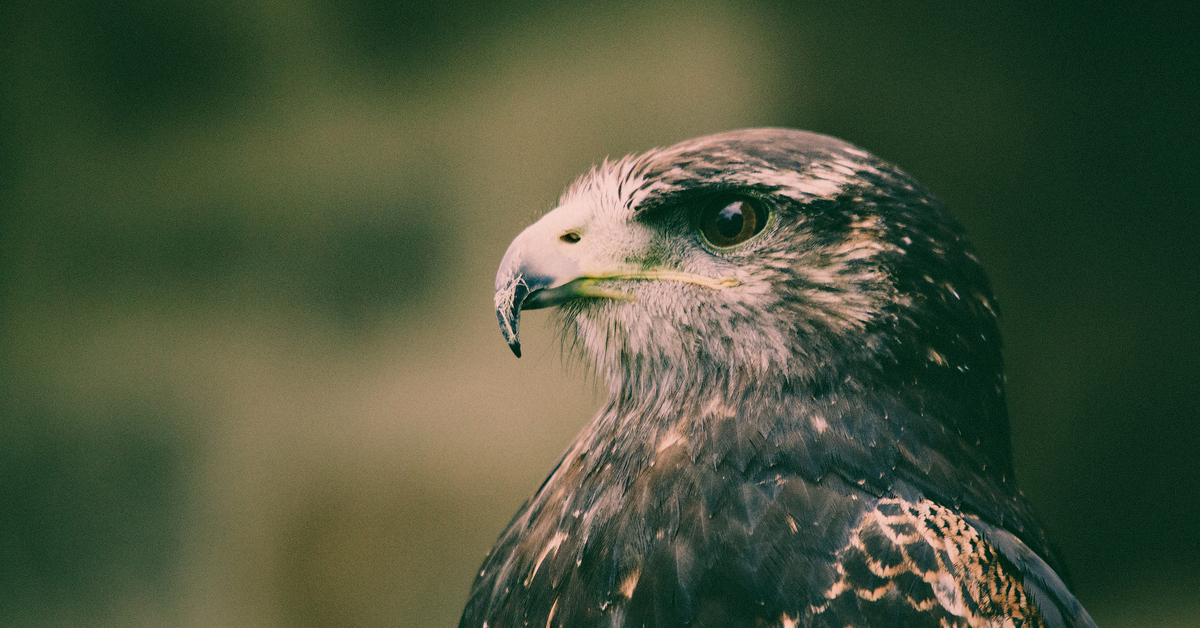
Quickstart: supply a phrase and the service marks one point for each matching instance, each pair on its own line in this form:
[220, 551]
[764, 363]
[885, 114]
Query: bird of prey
[805, 422]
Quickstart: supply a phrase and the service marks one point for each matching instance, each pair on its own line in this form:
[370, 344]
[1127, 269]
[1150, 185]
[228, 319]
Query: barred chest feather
[739, 520]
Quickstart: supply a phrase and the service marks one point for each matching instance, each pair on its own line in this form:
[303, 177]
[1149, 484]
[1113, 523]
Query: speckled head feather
[835, 360]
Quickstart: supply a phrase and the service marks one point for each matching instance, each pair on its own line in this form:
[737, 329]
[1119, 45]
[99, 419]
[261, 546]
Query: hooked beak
[535, 274]
[532, 266]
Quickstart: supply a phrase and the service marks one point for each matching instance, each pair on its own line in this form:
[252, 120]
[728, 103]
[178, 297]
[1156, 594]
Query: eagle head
[762, 262]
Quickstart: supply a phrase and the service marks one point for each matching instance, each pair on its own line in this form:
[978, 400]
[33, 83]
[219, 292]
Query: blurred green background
[250, 374]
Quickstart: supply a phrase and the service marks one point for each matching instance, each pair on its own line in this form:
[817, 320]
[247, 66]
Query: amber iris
[729, 222]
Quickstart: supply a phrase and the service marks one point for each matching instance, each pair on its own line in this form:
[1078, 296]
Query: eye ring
[729, 221]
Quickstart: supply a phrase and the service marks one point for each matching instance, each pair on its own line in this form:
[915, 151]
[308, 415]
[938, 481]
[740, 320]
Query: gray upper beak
[535, 265]
[513, 288]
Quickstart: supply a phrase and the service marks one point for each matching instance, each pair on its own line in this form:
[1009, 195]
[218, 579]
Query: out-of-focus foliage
[249, 369]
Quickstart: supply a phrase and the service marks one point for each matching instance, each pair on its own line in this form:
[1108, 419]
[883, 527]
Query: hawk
[805, 421]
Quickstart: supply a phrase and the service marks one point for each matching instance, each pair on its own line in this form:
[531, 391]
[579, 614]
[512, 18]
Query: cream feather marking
[552, 546]
[629, 584]
[963, 573]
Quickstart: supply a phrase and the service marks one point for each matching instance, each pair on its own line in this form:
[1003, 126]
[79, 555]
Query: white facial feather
[737, 330]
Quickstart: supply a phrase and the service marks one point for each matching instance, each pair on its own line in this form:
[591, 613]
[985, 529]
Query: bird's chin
[544, 298]
[582, 288]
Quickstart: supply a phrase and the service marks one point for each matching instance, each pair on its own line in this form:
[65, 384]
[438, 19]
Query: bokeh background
[250, 374]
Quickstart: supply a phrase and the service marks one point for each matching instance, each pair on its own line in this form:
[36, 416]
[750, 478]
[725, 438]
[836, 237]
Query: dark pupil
[729, 220]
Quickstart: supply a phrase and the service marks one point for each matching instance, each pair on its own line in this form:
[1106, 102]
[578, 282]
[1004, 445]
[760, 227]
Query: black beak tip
[508, 308]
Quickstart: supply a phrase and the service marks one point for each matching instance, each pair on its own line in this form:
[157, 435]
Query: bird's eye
[728, 222]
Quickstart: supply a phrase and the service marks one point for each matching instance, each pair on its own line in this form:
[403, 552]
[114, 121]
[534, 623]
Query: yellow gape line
[673, 275]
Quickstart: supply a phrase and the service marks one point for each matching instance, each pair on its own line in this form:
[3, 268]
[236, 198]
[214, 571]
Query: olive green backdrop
[250, 374]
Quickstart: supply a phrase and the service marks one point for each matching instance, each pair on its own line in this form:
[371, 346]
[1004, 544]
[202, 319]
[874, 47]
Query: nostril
[570, 237]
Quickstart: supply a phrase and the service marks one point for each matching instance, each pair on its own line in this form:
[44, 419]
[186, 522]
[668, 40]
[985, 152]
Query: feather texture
[807, 429]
